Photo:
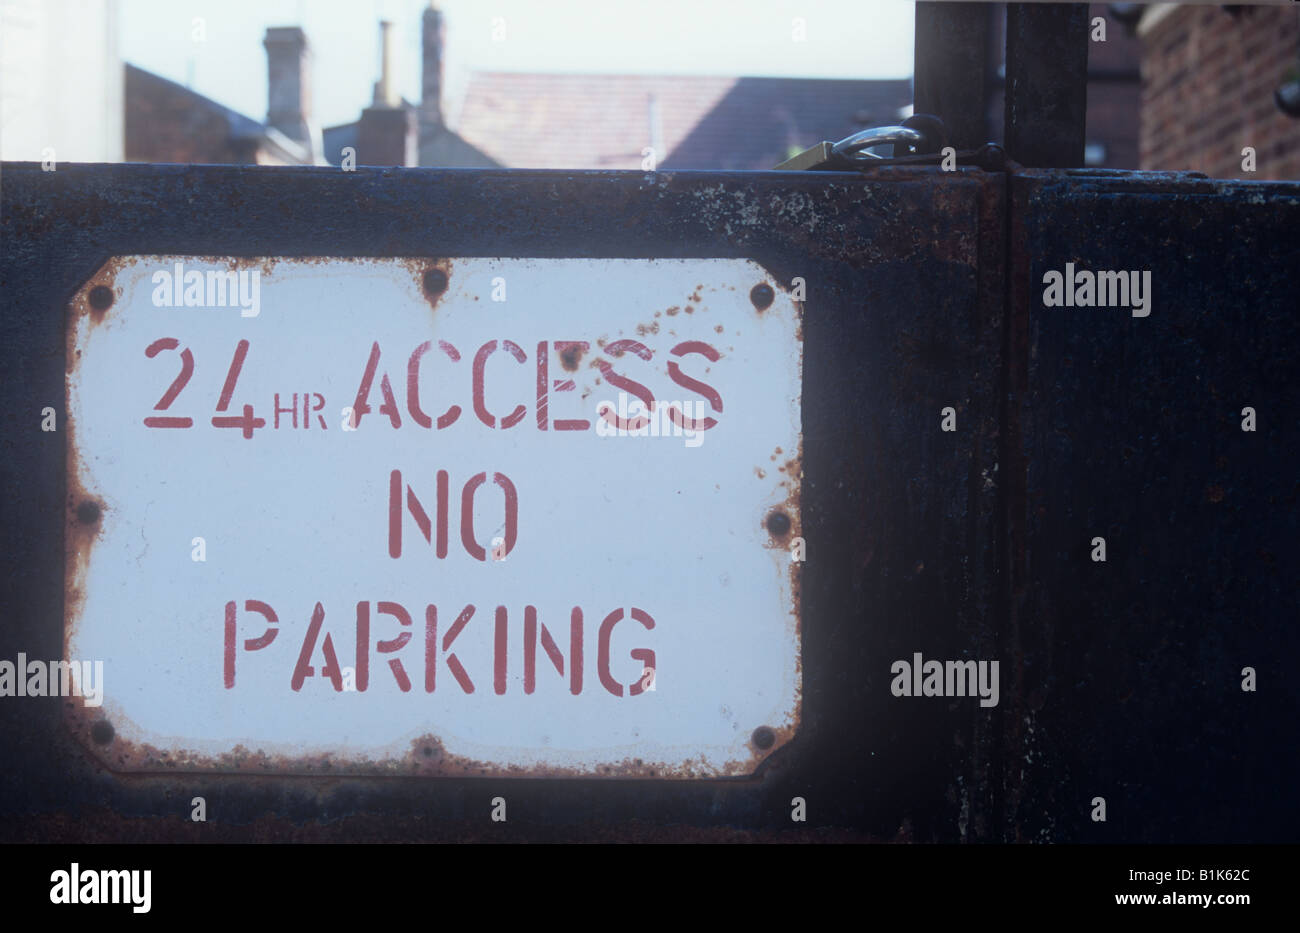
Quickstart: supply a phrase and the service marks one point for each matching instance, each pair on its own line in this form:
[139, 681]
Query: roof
[443, 148]
[704, 122]
[439, 147]
[243, 129]
[336, 139]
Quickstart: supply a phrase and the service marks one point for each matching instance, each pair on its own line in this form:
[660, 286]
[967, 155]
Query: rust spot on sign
[98, 294]
[101, 298]
[426, 756]
[85, 509]
[778, 524]
[766, 739]
[432, 277]
[782, 527]
[570, 357]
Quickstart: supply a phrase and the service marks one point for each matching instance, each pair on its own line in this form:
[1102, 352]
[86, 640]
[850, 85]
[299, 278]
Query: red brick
[1207, 90]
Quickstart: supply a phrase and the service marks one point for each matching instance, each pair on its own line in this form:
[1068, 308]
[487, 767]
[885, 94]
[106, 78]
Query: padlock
[919, 134]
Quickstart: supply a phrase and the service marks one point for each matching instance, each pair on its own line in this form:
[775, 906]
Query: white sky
[845, 39]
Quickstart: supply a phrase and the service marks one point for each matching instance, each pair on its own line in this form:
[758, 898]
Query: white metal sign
[467, 516]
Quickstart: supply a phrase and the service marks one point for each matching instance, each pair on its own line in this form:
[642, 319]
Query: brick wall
[1207, 91]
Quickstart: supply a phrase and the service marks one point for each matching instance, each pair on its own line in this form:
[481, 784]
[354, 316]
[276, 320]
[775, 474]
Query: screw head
[778, 523]
[763, 738]
[102, 732]
[101, 297]
[762, 296]
[435, 282]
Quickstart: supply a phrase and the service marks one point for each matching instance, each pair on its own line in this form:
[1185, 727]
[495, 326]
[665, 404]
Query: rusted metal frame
[874, 248]
[952, 71]
[1046, 84]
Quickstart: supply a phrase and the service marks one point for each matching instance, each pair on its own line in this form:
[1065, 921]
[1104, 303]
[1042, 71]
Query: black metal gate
[1121, 679]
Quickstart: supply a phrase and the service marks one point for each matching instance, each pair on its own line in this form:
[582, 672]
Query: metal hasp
[921, 137]
[900, 136]
[1046, 84]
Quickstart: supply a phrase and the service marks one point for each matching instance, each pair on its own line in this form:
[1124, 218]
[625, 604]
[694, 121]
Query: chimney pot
[388, 131]
[386, 90]
[434, 36]
[288, 86]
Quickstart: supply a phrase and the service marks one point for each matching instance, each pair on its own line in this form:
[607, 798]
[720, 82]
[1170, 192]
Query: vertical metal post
[951, 71]
[1047, 83]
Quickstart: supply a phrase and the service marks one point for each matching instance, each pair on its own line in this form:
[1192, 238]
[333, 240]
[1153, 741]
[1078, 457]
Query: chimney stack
[388, 131]
[385, 91]
[431, 90]
[288, 62]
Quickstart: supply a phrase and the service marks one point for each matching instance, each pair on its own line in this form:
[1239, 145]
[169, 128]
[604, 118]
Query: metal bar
[952, 69]
[1176, 479]
[1047, 83]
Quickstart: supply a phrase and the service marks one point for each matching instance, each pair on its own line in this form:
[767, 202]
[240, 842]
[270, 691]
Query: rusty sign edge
[425, 756]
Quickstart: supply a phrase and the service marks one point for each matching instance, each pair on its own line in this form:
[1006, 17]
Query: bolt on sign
[456, 516]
